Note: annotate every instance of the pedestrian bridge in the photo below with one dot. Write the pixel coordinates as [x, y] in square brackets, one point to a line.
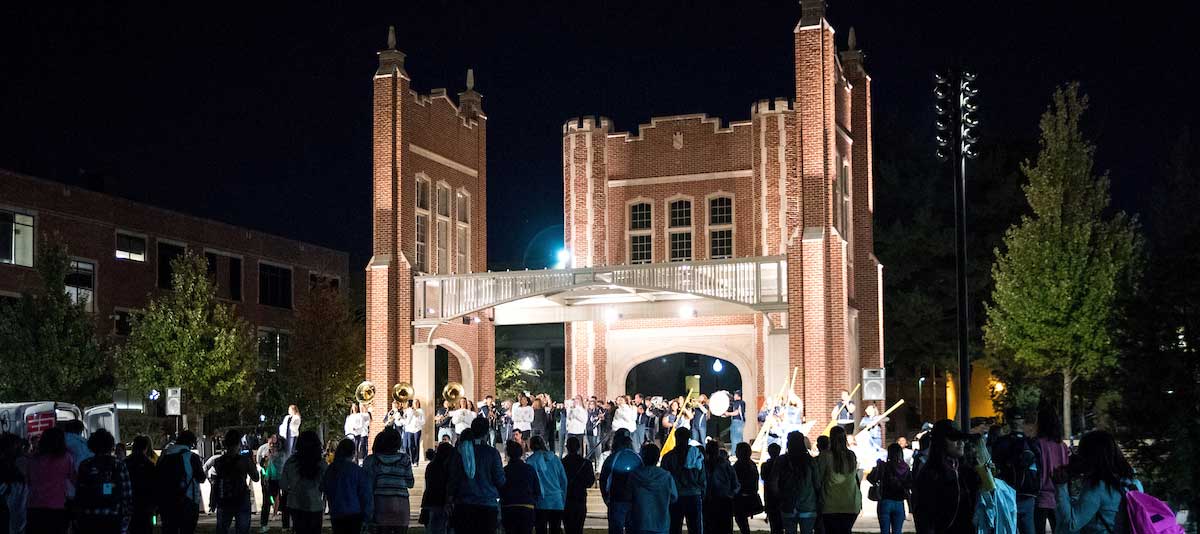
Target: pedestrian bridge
[611, 292]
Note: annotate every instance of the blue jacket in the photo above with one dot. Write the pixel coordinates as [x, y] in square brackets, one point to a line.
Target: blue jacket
[347, 489]
[551, 477]
[653, 492]
[1096, 506]
[484, 488]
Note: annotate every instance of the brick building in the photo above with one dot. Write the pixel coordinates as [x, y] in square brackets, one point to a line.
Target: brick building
[749, 241]
[121, 251]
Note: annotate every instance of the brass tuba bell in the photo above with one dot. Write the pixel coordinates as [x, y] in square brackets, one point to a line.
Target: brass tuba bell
[364, 392]
[402, 392]
[452, 392]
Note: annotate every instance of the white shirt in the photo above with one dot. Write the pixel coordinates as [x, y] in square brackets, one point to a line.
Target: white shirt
[461, 419]
[415, 421]
[364, 424]
[577, 420]
[351, 426]
[683, 421]
[626, 417]
[522, 417]
[290, 427]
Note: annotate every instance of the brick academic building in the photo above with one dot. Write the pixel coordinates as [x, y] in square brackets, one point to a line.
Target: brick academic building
[121, 254]
[749, 241]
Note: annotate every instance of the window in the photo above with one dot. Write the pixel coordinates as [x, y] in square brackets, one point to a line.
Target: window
[463, 248]
[274, 285]
[272, 348]
[639, 216]
[122, 325]
[422, 251]
[16, 238]
[422, 194]
[81, 284]
[720, 227]
[226, 275]
[443, 246]
[131, 247]
[443, 200]
[640, 248]
[681, 246]
[842, 202]
[320, 280]
[464, 207]
[166, 253]
[235, 278]
[681, 213]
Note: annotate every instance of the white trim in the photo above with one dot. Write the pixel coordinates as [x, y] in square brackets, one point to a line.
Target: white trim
[709, 227]
[783, 234]
[169, 242]
[645, 231]
[10, 294]
[276, 264]
[654, 122]
[438, 158]
[220, 252]
[697, 177]
[145, 245]
[690, 229]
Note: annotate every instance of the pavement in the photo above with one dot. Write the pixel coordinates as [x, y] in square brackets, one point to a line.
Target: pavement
[868, 520]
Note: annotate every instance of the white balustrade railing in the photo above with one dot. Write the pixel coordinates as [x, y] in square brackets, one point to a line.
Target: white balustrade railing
[757, 282]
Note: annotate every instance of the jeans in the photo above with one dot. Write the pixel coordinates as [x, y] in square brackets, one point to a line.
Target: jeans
[239, 515]
[1042, 517]
[548, 519]
[838, 523]
[48, 520]
[307, 522]
[573, 516]
[347, 524]
[798, 525]
[891, 516]
[516, 520]
[688, 507]
[775, 521]
[439, 522]
[474, 519]
[639, 437]
[620, 517]
[718, 515]
[180, 519]
[737, 428]
[1025, 506]
[412, 445]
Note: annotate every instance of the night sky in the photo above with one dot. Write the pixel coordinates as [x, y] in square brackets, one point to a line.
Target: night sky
[259, 115]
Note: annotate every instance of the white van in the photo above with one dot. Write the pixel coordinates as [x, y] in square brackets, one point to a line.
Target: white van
[29, 419]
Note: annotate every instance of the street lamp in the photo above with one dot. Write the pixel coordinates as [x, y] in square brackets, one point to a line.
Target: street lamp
[954, 92]
[527, 364]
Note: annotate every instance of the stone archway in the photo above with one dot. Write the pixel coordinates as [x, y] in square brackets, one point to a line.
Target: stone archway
[464, 362]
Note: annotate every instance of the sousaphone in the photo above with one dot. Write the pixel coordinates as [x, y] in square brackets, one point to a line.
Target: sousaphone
[402, 392]
[452, 392]
[365, 392]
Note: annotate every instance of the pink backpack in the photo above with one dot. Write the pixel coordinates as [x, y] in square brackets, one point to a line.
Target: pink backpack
[1149, 515]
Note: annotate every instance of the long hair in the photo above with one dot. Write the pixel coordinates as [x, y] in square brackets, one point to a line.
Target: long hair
[52, 443]
[1048, 425]
[1100, 460]
[843, 458]
[797, 454]
[308, 454]
[386, 442]
[895, 454]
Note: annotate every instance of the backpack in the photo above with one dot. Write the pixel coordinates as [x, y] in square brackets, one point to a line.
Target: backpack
[1018, 465]
[1149, 515]
[229, 488]
[97, 484]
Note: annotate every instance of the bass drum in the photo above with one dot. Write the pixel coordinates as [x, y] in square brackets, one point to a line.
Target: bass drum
[718, 403]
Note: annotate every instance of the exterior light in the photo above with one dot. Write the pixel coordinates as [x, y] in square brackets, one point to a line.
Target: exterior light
[562, 258]
[527, 364]
[686, 312]
[717, 366]
[154, 394]
[611, 315]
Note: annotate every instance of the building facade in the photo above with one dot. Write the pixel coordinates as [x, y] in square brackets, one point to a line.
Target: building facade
[121, 254]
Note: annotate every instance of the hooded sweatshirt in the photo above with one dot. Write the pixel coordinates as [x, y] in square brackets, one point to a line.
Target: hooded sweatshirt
[653, 492]
[551, 478]
[389, 474]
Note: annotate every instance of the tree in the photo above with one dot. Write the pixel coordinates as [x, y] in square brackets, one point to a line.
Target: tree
[325, 358]
[511, 380]
[1064, 267]
[187, 338]
[48, 342]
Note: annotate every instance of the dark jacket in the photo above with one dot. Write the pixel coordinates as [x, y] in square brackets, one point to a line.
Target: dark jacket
[770, 495]
[580, 477]
[944, 498]
[483, 488]
[141, 477]
[894, 481]
[347, 489]
[688, 480]
[721, 481]
[795, 485]
[747, 475]
[521, 487]
[618, 489]
[437, 475]
[172, 488]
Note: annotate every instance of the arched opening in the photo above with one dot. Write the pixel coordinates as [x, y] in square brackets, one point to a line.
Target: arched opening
[667, 376]
[451, 364]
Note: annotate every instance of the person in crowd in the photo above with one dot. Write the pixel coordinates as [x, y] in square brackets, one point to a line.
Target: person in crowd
[506, 421]
[685, 463]
[552, 479]
[396, 416]
[462, 417]
[433, 500]
[520, 492]
[289, 428]
[1016, 458]
[615, 488]
[51, 474]
[230, 494]
[1103, 475]
[475, 478]
[875, 433]
[270, 458]
[577, 418]
[76, 443]
[560, 418]
[352, 427]
[1053, 454]
[301, 479]
[906, 450]
[721, 486]
[747, 502]
[103, 500]
[841, 497]
[700, 417]
[580, 477]
[443, 422]
[14, 487]
[737, 419]
[179, 473]
[538, 429]
[413, 423]
[771, 493]
[654, 493]
[844, 412]
[347, 490]
[522, 416]
[795, 484]
[946, 488]
[625, 416]
[389, 476]
[487, 410]
[894, 479]
[551, 422]
[594, 431]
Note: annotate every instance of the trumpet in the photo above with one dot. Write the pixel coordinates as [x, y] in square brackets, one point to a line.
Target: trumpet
[402, 392]
[365, 392]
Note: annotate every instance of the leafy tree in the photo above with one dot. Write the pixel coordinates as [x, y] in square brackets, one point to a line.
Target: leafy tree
[325, 358]
[187, 338]
[511, 380]
[1064, 267]
[48, 343]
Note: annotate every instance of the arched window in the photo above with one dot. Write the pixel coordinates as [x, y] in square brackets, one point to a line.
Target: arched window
[720, 227]
[679, 230]
[641, 238]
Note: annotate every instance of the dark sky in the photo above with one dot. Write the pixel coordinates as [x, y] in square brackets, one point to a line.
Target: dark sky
[259, 115]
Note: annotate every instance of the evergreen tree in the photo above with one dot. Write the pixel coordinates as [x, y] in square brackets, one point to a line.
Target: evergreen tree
[48, 342]
[1063, 268]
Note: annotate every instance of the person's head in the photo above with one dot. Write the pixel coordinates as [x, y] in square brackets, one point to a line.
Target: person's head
[536, 443]
[53, 443]
[872, 411]
[415, 403]
[650, 454]
[796, 441]
[637, 398]
[621, 401]
[773, 450]
[273, 439]
[674, 405]
[463, 404]
[1016, 422]
[344, 450]
[1048, 425]
[513, 450]
[479, 426]
[141, 446]
[573, 445]
[712, 451]
[895, 454]
[523, 400]
[354, 407]
[537, 403]
[622, 440]
[1098, 459]
[839, 448]
[742, 451]
[592, 404]
[188, 439]
[101, 442]
[702, 399]
[823, 443]
[308, 454]
[294, 410]
[443, 453]
[74, 426]
[737, 395]
[232, 441]
[488, 400]
[682, 435]
[946, 439]
[395, 405]
[579, 401]
[902, 442]
[845, 395]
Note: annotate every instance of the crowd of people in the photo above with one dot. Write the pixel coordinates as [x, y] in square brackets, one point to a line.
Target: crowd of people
[498, 466]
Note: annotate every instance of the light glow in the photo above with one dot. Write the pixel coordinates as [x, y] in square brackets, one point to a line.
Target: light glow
[562, 258]
[717, 366]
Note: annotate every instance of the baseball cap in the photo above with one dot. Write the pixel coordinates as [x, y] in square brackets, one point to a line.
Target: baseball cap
[946, 429]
